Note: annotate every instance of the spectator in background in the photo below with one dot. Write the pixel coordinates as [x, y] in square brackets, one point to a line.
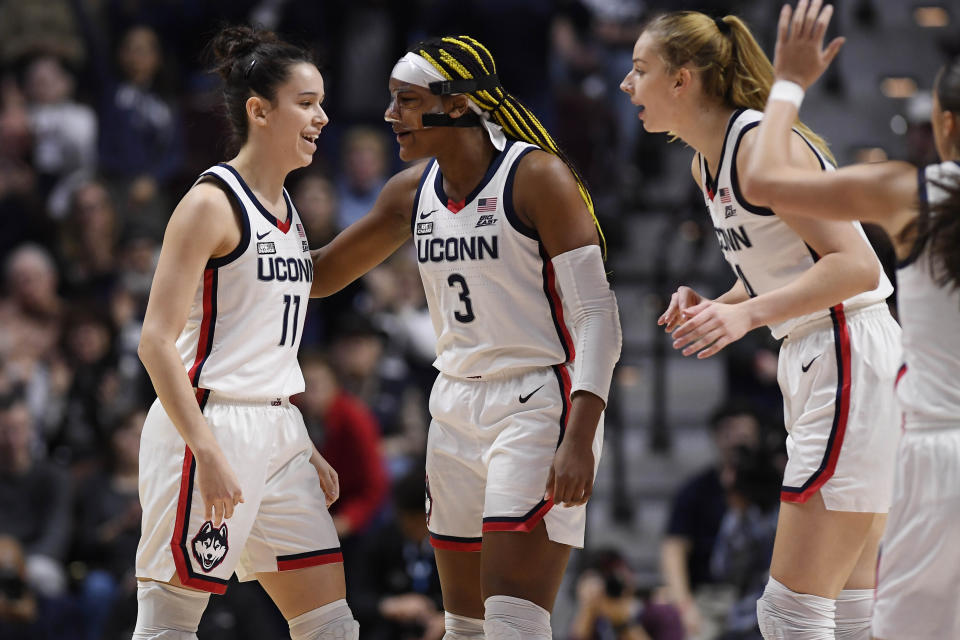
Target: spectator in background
[88, 243]
[610, 607]
[64, 132]
[695, 516]
[34, 501]
[366, 167]
[108, 526]
[142, 149]
[346, 434]
[315, 197]
[20, 616]
[94, 400]
[399, 597]
[381, 378]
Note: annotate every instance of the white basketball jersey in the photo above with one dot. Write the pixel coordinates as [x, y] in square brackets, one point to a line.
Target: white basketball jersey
[244, 329]
[489, 283]
[764, 252]
[929, 382]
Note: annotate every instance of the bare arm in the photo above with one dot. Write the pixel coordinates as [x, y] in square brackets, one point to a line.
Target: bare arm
[884, 193]
[202, 226]
[547, 197]
[369, 241]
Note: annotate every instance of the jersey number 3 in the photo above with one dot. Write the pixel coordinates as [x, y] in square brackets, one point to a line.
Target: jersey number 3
[457, 280]
[286, 319]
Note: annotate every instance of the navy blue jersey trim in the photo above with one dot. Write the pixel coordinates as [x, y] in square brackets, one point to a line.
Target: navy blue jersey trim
[491, 171]
[735, 181]
[523, 518]
[841, 376]
[309, 554]
[416, 198]
[214, 263]
[437, 536]
[186, 531]
[263, 211]
[545, 257]
[207, 348]
[923, 212]
[508, 208]
[564, 403]
[710, 184]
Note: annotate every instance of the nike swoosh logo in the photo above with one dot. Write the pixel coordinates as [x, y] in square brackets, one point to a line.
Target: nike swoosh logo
[807, 366]
[424, 216]
[523, 399]
[261, 236]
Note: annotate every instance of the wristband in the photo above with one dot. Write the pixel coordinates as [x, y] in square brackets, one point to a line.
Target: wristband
[787, 91]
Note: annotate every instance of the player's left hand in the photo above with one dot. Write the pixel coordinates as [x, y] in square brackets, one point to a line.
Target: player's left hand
[710, 328]
[570, 481]
[329, 480]
[800, 55]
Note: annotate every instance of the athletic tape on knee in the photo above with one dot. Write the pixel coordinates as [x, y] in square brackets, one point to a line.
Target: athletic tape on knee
[462, 627]
[783, 614]
[508, 618]
[854, 610]
[167, 612]
[333, 621]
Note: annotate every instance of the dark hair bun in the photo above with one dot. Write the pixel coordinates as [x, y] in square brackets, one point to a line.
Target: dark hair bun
[234, 43]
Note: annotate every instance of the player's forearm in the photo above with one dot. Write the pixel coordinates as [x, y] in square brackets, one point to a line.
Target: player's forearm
[833, 279]
[585, 411]
[737, 293]
[163, 364]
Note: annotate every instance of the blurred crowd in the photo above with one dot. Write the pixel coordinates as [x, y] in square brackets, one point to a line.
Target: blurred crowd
[107, 115]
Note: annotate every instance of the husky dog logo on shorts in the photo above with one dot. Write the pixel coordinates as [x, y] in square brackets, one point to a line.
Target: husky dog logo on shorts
[210, 545]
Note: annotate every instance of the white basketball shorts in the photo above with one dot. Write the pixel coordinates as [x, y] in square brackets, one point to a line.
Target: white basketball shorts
[489, 451]
[282, 524]
[837, 376]
[918, 576]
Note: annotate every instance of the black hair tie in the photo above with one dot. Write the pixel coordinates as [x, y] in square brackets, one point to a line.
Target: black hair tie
[722, 26]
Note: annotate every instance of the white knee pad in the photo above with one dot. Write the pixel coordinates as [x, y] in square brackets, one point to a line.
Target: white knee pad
[462, 627]
[509, 618]
[332, 621]
[786, 615]
[854, 610]
[165, 612]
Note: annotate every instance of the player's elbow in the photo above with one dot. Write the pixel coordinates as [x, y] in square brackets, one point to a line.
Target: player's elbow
[150, 344]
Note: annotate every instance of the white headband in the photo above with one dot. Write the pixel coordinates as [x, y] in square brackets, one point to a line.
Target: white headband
[416, 70]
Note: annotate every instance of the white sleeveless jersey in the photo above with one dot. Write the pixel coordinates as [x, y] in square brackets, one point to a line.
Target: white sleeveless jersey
[764, 252]
[489, 283]
[929, 381]
[244, 328]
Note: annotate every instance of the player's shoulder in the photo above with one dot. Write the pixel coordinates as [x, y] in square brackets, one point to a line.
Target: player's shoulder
[205, 205]
[538, 169]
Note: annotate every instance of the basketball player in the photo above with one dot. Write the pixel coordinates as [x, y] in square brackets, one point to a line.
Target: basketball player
[527, 332]
[818, 285]
[229, 479]
[918, 590]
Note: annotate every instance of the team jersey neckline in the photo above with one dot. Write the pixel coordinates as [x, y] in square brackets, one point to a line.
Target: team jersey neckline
[491, 171]
[710, 181]
[283, 226]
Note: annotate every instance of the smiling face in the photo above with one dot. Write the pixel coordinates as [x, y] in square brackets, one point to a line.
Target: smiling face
[651, 86]
[407, 105]
[295, 118]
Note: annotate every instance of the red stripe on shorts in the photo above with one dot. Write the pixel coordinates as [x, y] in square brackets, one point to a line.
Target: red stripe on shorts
[309, 559]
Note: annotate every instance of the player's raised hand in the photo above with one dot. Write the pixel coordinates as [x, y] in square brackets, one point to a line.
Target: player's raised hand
[800, 55]
[218, 486]
[682, 299]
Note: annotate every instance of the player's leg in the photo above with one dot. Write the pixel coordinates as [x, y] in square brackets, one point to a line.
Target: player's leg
[814, 554]
[313, 601]
[522, 573]
[855, 601]
[460, 580]
[168, 610]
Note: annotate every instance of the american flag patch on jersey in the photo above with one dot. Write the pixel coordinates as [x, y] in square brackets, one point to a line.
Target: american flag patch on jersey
[487, 204]
[725, 195]
[300, 230]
